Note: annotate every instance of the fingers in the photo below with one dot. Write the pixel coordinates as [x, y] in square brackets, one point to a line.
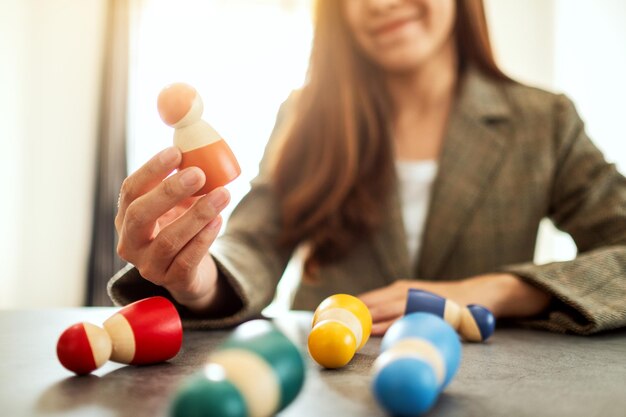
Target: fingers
[379, 329]
[176, 212]
[143, 213]
[386, 305]
[190, 257]
[145, 178]
[371, 298]
[389, 293]
[173, 239]
[388, 310]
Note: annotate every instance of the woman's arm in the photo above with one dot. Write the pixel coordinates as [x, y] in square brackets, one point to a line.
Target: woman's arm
[588, 201]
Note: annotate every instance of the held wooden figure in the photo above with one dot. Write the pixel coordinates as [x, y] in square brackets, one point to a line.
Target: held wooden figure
[181, 107]
[341, 326]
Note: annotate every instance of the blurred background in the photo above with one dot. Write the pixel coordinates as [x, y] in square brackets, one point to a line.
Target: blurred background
[78, 87]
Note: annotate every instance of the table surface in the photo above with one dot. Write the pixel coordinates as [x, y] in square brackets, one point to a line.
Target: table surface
[517, 373]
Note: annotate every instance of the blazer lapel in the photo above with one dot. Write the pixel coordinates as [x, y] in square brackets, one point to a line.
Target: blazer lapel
[390, 241]
[472, 151]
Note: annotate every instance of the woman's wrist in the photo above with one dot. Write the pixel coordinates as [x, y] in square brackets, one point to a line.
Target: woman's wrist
[515, 298]
[200, 294]
[195, 302]
[213, 296]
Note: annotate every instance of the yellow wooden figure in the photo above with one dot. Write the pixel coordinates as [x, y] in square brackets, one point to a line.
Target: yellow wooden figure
[341, 326]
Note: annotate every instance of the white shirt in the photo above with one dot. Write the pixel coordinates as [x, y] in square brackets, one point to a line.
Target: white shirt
[416, 179]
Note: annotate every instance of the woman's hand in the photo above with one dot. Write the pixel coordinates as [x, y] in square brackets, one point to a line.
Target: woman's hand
[166, 233]
[504, 294]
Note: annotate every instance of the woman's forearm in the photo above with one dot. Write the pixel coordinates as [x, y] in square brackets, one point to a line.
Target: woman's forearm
[515, 298]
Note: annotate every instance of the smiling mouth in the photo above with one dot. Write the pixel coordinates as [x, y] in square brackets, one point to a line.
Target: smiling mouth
[393, 26]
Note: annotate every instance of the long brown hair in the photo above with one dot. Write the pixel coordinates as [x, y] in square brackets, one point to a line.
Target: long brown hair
[334, 168]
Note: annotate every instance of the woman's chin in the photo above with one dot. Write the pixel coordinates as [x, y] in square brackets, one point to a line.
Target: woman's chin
[401, 64]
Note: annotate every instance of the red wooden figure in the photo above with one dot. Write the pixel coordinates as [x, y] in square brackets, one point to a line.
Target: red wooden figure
[144, 332]
[83, 348]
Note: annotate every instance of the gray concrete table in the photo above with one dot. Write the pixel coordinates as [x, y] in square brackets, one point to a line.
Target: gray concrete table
[518, 373]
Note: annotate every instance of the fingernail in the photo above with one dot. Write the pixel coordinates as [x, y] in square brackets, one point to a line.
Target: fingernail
[218, 198]
[189, 178]
[168, 156]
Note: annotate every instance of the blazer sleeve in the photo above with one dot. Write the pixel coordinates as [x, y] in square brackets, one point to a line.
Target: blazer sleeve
[588, 201]
[247, 255]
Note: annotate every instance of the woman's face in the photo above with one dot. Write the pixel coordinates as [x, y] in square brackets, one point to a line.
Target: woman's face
[400, 35]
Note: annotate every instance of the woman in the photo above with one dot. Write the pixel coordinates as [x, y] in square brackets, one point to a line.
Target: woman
[408, 160]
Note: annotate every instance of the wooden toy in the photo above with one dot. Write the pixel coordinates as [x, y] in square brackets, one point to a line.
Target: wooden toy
[83, 348]
[474, 323]
[421, 354]
[145, 332]
[341, 326]
[477, 323]
[257, 372]
[209, 394]
[181, 107]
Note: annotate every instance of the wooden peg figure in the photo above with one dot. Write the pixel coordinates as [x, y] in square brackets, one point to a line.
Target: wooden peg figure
[257, 372]
[144, 332]
[474, 323]
[181, 107]
[83, 348]
[420, 355]
[341, 326]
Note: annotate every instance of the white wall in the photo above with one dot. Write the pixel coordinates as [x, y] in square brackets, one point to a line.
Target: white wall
[522, 34]
[54, 48]
[11, 56]
[591, 67]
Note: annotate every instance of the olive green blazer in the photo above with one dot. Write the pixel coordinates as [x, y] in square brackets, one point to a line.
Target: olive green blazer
[512, 155]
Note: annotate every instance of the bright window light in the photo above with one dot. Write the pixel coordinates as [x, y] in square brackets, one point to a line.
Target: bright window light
[244, 57]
